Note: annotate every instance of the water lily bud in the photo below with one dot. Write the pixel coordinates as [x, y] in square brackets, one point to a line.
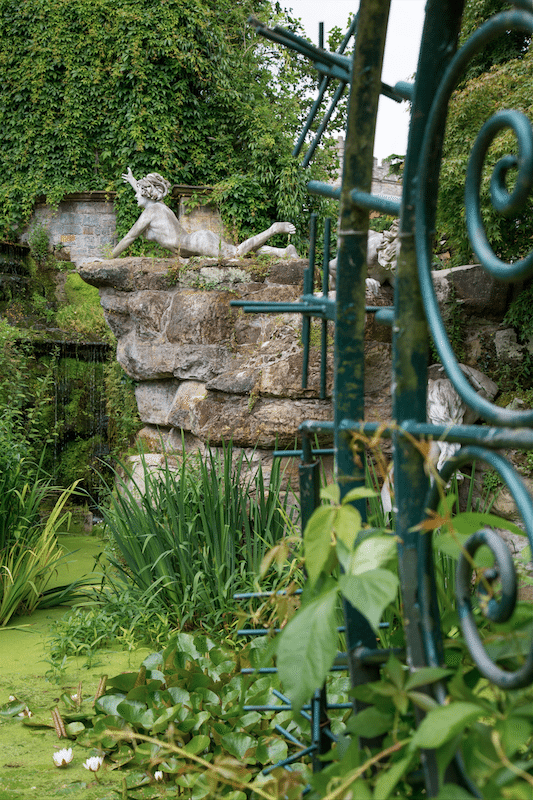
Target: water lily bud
[94, 763]
[63, 757]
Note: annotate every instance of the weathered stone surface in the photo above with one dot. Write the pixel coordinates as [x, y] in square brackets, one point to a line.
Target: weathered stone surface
[155, 399]
[129, 274]
[116, 311]
[199, 318]
[147, 311]
[507, 348]
[202, 362]
[146, 360]
[474, 288]
[179, 413]
[211, 372]
[237, 381]
[221, 417]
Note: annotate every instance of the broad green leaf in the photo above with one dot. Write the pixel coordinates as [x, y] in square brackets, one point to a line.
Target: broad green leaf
[370, 592]
[388, 779]
[178, 694]
[307, 648]
[74, 728]
[108, 703]
[426, 675]
[132, 710]
[197, 744]
[395, 671]
[163, 720]
[276, 749]
[359, 493]
[370, 722]
[331, 492]
[452, 545]
[373, 553]
[317, 541]
[347, 525]
[422, 700]
[444, 722]
[514, 733]
[471, 521]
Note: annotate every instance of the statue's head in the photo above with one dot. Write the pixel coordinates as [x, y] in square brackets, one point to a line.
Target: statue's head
[153, 186]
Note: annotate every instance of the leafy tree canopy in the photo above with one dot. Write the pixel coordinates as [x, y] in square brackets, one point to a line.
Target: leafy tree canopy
[182, 87]
[500, 78]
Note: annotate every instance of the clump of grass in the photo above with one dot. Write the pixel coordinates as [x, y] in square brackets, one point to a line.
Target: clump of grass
[195, 534]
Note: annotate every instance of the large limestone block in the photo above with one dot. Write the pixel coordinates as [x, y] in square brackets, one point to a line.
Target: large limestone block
[129, 274]
[147, 310]
[156, 359]
[179, 415]
[221, 417]
[116, 311]
[474, 288]
[155, 400]
[199, 318]
[201, 362]
[146, 360]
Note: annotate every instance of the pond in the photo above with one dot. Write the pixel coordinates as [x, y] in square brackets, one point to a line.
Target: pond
[26, 763]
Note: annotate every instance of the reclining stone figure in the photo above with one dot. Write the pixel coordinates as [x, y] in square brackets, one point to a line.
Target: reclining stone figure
[158, 223]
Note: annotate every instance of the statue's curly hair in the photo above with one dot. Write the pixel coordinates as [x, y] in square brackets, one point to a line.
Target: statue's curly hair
[154, 186]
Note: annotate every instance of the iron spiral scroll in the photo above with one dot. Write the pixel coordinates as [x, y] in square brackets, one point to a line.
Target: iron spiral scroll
[504, 202]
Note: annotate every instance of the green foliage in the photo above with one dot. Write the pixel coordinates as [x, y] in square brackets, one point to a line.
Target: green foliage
[29, 550]
[184, 87]
[179, 720]
[39, 242]
[194, 533]
[513, 44]
[505, 84]
[115, 615]
[83, 314]
[520, 315]
[26, 397]
[332, 538]
[488, 726]
[121, 408]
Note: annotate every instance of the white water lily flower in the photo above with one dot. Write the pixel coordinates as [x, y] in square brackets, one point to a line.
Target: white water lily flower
[158, 775]
[63, 757]
[94, 763]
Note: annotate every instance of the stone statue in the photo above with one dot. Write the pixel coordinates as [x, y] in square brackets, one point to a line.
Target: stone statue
[381, 259]
[387, 250]
[158, 223]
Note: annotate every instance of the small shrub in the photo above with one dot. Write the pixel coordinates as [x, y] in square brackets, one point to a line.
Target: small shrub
[39, 242]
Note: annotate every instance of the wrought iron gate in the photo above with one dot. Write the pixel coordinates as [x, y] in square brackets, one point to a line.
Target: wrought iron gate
[415, 314]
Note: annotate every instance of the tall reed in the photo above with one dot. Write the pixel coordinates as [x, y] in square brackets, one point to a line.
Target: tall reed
[195, 533]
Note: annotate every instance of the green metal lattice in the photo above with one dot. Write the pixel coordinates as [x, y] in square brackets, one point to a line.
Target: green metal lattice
[415, 316]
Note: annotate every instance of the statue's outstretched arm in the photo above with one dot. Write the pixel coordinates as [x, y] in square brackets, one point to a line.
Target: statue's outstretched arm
[127, 177]
[134, 232]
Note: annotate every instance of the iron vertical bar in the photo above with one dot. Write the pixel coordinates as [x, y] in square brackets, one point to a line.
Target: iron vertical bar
[307, 290]
[324, 332]
[309, 482]
[351, 268]
[410, 355]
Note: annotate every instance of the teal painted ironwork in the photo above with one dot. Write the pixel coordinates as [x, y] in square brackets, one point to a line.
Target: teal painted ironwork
[413, 319]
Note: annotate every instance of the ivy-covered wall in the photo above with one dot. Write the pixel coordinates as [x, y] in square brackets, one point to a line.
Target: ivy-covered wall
[182, 87]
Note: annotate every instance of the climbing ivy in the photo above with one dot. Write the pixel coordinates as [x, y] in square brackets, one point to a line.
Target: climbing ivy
[498, 78]
[184, 87]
